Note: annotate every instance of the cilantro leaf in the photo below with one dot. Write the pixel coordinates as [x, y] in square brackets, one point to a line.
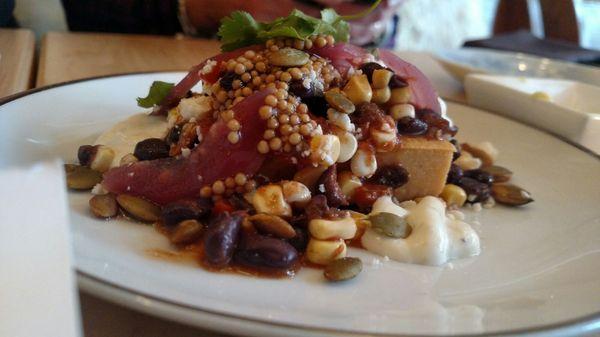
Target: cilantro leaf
[240, 29]
[157, 93]
[341, 28]
[237, 29]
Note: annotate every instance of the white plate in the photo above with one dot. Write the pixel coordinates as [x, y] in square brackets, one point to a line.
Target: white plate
[538, 271]
[460, 62]
[572, 109]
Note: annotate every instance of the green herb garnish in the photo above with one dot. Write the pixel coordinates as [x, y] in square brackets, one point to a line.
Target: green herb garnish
[157, 93]
[240, 29]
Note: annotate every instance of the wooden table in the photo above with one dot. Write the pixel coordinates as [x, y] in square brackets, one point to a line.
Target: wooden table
[71, 56]
[17, 49]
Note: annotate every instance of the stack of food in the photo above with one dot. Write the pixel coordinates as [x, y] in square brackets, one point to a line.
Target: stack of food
[298, 145]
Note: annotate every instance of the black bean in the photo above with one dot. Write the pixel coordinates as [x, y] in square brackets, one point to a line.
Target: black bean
[300, 241]
[390, 175]
[227, 79]
[332, 190]
[476, 191]
[263, 251]
[173, 135]
[311, 96]
[85, 154]
[411, 126]
[317, 105]
[221, 238]
[397, 82]
[456, 153]
[369, 68]
[185, 209]
[454, 174]
[480, 175]
[151, 148]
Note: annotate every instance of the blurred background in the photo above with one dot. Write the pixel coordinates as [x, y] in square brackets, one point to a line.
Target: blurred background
[416, 24]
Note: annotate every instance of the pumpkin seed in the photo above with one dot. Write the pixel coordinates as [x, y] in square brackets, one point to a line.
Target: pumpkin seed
[81, 177]
[343, 269]
[288, 57]
[139, 208]
[390, 225]
[187, 231]
[274, 225]
[509, 194]
[339, 102]
[500, 174]
[104, 206]
[70, 167]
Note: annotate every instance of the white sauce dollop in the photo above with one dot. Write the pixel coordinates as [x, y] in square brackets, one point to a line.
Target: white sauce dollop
[435, 238]
[123, 136]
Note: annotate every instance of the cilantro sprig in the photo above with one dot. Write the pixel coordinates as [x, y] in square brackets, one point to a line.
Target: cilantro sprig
[157, 93]
[240, 29]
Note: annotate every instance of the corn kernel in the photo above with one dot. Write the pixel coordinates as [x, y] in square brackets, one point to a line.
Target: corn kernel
[402, 110]
[323, 252]
[358, 89]
[467, 162]
[453, 195]
[381, 78]
[322, 229]
[325, 149]
[364, 162]
[400, 95]
[381, 96]
[295, 192]
[269, 199]
[348, 145]
[348, 183]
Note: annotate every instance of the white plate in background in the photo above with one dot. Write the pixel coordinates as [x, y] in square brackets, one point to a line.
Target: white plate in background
[566, 108]
[538, 271]
[463, 61]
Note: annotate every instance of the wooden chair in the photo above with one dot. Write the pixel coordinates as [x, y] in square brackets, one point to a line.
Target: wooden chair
[558, 16]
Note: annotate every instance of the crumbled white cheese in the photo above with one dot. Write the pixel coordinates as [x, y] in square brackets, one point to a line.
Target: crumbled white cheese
[321, 188]
[185, 152]
[208, 67]
[476, 207]
[99, 190]
[195, 107]
[489, 203]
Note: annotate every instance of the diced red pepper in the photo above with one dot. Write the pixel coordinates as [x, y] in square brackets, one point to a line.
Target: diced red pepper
[366, 195]
[221, 206]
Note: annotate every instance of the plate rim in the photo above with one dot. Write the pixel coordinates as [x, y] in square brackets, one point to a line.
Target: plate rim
[573, 327]
[521, 55]
[126, 296]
